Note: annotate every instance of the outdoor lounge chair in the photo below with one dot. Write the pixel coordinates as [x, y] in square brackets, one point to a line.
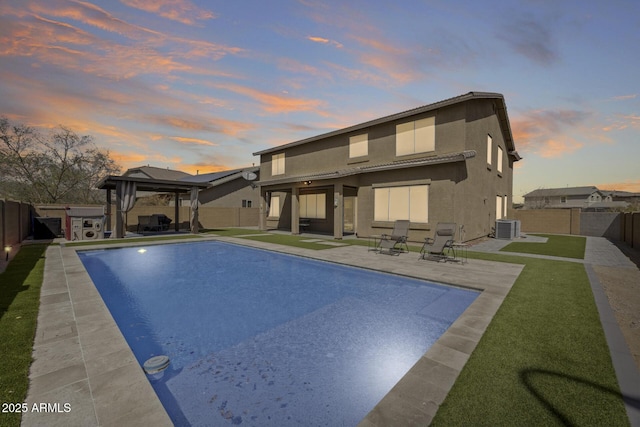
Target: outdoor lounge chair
[443, 239]
[392, 243]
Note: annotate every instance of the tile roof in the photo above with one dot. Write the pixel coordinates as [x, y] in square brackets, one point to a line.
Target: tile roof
[399, 164]
[566, 191]
[155, 173]
[215, 176]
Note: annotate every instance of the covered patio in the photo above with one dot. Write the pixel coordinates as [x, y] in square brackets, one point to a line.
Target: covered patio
[126, 188]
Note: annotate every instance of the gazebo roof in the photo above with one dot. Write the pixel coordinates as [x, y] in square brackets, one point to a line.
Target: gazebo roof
[147, 184]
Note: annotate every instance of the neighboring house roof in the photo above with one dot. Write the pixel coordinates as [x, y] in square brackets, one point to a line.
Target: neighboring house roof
[153, 172]
[501, 111]
[621, 194]
[399, 164]
[567, 191]
[217, 178]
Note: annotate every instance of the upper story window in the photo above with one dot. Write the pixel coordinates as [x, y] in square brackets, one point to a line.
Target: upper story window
[359, 145]
[489, 149]
[277, 164]
[499, 165]
[416, 137]
[563, 199]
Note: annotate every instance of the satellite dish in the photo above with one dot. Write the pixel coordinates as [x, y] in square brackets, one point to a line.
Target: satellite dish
[249, 176]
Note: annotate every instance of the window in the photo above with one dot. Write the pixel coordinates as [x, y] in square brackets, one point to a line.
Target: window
[274, 207]
[489, 148]
[499, 166]
[405, 202]
[248, 203]
[563, 199]
[313, 205]
[244, 203]
[416, 137]
[277, 164]
[498, 207]
[504, 206]
[359, 146]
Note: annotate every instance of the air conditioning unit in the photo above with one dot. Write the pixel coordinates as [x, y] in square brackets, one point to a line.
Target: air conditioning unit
[507, 229]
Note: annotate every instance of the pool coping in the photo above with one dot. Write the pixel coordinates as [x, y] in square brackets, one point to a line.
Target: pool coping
[81, 357]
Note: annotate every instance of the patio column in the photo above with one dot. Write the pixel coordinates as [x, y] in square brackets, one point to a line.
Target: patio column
[194, 210]
[107, 226]
[295, 210]
[119, 222]
[338, 210]
[176, 212]
[262, 210]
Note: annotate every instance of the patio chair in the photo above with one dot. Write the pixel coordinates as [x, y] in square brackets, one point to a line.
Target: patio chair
[392, 244]
[434, 248]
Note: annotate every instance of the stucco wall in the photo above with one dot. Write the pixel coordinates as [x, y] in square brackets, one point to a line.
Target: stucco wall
[208, 217]
[15, 222]
[602, 224]
[230, 194]
[555, 221]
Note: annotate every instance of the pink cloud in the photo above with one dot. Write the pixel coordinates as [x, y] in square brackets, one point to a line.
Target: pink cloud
[39, 33]
[323, 40]
[183, 11]
[551, 133]
[631, 186]
[273, 103]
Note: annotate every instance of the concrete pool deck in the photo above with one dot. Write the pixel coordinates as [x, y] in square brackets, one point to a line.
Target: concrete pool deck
[81, 358]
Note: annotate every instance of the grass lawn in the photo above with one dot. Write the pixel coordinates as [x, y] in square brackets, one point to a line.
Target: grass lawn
[543, 360]
[19, 302]
[562, 246]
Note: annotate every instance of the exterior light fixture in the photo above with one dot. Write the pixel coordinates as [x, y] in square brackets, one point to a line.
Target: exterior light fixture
[7, 249]
[307, 182]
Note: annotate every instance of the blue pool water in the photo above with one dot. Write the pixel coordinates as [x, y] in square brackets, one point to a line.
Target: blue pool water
[261, 338]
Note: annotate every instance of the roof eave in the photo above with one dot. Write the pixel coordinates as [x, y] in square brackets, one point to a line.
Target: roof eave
[427, 161]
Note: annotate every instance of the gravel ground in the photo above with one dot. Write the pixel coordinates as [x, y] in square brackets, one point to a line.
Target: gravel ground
[622, 287]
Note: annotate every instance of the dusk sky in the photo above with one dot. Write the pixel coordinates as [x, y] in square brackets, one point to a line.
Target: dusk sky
[201, 85]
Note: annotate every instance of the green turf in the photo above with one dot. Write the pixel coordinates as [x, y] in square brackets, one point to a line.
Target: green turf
[556, 245]
[543, 360]
[19, 302]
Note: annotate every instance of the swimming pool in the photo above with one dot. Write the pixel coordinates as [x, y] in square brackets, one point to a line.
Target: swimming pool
[261, 338]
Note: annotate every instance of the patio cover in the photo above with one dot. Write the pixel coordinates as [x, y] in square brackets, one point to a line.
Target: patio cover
[127, 186]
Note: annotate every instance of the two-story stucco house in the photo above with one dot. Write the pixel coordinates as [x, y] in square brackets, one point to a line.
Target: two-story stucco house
[451, 161]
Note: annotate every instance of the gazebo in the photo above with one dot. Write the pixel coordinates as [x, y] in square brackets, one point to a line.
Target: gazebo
[126, 188]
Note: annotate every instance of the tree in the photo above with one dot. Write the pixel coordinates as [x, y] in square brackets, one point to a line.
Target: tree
[62, 167]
